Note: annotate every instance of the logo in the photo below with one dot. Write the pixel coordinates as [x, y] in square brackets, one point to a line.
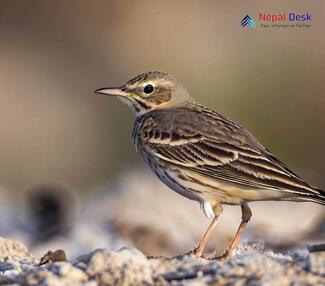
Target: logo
[247, 21]
[278, 20]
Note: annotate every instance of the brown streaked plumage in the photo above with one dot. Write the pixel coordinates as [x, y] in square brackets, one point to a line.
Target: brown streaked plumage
[203, 155]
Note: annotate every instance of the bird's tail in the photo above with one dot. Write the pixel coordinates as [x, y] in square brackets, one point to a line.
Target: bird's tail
[318, 196]
[314, 195]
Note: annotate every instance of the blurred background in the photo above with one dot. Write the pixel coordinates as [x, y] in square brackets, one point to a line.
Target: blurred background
[69, 174]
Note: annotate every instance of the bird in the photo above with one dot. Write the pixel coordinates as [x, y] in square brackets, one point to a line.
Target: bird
[203, 155]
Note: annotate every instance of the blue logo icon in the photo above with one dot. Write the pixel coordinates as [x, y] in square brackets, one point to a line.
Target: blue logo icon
[247, 21]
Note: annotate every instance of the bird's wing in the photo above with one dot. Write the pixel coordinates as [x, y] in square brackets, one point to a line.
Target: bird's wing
[214, 146]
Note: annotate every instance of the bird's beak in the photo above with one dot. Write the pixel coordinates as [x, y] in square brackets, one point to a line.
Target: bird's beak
[113, 91]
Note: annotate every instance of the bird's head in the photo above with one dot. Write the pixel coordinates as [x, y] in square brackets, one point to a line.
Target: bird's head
[149, 91]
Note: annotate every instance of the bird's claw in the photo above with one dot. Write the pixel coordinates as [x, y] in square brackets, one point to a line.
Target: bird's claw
[221, 258]
[199, 254]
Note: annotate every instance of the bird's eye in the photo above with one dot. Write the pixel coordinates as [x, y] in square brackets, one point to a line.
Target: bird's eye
[148, 89]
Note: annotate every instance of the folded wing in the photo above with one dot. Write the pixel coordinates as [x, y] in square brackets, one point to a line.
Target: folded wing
[216, 147]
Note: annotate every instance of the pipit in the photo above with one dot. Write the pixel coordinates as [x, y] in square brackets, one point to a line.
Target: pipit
[204, 155]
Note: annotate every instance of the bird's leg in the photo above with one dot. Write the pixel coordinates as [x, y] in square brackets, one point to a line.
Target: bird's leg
[200, 248]
[246, 215]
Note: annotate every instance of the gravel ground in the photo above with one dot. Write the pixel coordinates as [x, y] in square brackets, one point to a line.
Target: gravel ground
[250, 265]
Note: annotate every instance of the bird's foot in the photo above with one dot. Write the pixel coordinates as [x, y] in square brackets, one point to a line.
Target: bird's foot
[194, 252]
[189, 253]
[197, 252]
[221, 258]
[156, 257]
